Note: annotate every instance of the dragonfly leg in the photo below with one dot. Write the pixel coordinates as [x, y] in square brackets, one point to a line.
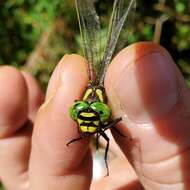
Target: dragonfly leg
[97, 141]
[103, 134]
[74, 140]
[118, 132]
[112, 125]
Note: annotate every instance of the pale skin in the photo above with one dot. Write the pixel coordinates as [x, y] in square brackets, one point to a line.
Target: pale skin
[143, 86]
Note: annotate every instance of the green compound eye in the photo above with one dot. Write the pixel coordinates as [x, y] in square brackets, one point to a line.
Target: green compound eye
[78, 106]
[103, 110]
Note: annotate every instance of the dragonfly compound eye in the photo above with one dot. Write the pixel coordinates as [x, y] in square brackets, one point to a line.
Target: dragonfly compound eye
[102, 109]
[77, 107]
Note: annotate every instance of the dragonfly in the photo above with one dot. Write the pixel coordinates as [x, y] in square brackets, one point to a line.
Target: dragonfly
[92, 113]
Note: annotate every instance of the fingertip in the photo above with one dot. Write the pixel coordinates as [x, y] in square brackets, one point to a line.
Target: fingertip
[143, 79]
[129, 56]
[66, 85]
[62, 74]
[13, 100]
[36, 95]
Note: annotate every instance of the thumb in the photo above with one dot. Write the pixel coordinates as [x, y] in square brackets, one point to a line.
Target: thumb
[145, 87]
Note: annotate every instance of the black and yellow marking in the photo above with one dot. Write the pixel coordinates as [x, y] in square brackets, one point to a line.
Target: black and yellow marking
[87, 94]
[88, 122]
[99, 93]
[94, 93]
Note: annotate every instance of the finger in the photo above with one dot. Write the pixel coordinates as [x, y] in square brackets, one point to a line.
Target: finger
[36, 95]
[13, 101]
[54, 165]
[122, 176]
[145, 87]
[15, 139]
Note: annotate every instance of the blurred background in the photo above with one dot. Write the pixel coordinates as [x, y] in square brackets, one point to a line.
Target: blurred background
[35, 34]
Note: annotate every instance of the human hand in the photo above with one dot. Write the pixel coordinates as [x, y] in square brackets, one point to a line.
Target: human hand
[143, 86]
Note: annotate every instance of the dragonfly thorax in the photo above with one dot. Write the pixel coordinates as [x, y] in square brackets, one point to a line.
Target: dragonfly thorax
[94, 93]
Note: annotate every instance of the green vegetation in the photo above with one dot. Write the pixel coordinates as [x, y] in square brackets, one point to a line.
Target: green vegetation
[1, 188]
[36, 34]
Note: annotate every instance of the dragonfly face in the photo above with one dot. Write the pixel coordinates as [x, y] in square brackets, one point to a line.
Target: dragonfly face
[92, 112]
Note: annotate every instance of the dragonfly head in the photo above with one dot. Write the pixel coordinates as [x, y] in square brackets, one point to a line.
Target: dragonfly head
[93, 109]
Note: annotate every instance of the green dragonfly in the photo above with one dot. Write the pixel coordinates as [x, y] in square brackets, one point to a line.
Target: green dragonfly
[92, 113]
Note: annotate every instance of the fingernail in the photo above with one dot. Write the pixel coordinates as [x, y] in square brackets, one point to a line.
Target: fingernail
[148, 88]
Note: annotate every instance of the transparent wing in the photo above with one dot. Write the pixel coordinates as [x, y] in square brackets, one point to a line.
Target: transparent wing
[90, 31]
[121, 10]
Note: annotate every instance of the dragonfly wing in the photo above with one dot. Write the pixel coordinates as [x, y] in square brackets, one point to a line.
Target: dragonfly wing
[121, 10]
[90, 31]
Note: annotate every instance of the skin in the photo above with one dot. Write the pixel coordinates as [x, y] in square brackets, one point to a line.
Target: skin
[143, 86]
